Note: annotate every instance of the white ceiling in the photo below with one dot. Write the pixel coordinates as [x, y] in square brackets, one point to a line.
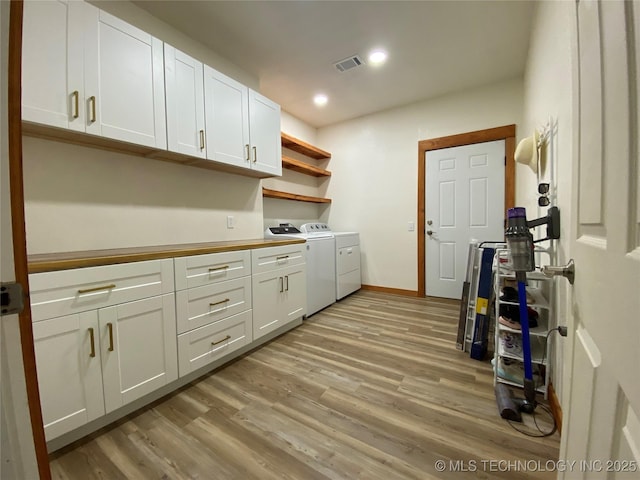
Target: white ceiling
[435, 47]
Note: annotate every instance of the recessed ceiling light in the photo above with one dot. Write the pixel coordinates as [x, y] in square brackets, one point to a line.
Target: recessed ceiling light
[377, 57]
[320, 99]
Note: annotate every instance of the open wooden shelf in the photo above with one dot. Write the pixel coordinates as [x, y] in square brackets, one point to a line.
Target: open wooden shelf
[293, 196]
[301, 167]
[303, 147]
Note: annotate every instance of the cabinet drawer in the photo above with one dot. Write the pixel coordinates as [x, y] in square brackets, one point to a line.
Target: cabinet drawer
[207, 344]
[273, 258]
[348, 259]
[201, 270]
[202, 305]
[54, 294]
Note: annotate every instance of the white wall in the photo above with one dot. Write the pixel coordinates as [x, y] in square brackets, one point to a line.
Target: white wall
[548, 93]
[375, 164]
[80, 198]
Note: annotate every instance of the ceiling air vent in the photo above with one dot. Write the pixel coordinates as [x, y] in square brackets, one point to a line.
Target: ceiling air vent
[349, 63]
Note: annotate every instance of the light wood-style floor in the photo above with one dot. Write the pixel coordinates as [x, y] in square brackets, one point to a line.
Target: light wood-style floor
[370, 388]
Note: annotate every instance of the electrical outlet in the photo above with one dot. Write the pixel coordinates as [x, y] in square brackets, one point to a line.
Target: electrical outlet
[231, 221]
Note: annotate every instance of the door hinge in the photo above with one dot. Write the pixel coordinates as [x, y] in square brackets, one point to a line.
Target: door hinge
[12, 298]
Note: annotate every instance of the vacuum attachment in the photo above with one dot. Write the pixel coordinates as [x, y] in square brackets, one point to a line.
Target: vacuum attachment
[506, 404]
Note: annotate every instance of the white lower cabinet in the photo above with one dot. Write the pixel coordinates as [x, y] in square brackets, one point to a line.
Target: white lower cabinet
[107, 336]
[202, 346]
[139, 352]
[213, 304]
[280, 290]
[103, 336]
[94, 362]
[69, 371]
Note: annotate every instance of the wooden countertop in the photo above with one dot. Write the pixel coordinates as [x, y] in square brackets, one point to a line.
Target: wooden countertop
[49, 262]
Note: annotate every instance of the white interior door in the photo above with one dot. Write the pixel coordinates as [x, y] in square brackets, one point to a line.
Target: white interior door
[17, 451]
[464, 200]
[603, 421]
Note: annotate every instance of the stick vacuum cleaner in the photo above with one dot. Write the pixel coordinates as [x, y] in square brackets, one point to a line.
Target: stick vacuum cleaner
[520, 245]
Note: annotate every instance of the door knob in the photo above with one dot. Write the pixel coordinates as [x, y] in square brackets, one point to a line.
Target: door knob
[429, 232]
[567, 271]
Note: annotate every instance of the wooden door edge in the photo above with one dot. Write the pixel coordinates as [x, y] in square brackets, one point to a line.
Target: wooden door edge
[14, 103]
[556, 408]
[506, 133]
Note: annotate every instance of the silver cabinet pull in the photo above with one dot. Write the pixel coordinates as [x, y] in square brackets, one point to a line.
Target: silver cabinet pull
[281, 284]
[248, 153]
[255, 154]
[287, 278]
[201, 139]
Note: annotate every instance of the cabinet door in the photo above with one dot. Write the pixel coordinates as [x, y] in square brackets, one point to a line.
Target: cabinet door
[294, 301]
[124, 71]
[267, 291]
[185, 103]
[69, 373]
[279, 297]
[264, 129]
[227, 119]
[139, 352]
[52, 63]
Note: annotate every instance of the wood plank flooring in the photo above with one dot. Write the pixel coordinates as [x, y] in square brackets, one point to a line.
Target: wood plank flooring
[370, 388]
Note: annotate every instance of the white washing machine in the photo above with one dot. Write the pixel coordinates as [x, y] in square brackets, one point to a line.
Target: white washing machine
[348, 271]
[321, 267]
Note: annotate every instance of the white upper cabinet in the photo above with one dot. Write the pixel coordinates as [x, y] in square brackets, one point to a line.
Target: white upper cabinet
[243, 127]
[86, 70]
[185, 103]
[128, 79]
[52, 63]
[264, 129]
[227, 117]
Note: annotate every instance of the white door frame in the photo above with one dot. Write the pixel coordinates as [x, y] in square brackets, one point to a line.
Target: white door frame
[506, 133]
